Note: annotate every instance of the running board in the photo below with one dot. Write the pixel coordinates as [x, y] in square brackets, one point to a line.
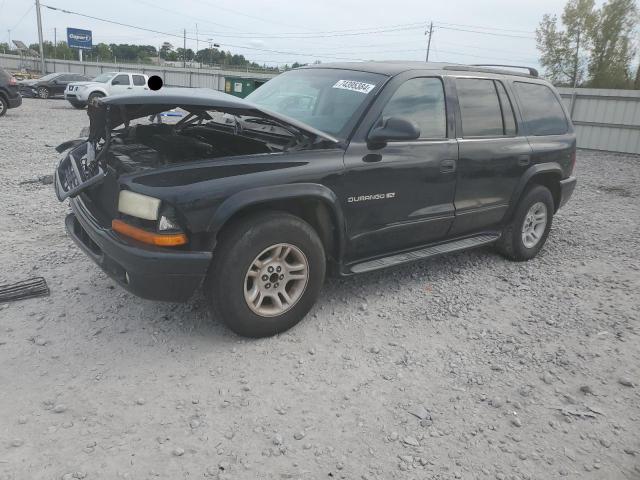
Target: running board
[449, 247]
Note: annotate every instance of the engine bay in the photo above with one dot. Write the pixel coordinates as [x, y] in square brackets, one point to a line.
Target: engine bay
[147, 146]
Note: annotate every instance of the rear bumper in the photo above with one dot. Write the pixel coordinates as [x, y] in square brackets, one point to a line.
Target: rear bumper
[15, 101]
[566, 190]
[145, 271]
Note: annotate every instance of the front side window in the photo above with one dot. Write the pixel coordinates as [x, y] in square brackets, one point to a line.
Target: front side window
[324, 98]
[541, 110]
[422, 101]
[120, 80]
[479, 107]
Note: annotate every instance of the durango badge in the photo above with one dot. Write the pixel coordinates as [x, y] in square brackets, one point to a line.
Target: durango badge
[377, 196]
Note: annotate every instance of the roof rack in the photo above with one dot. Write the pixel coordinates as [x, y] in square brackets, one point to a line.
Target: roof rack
[532, 71]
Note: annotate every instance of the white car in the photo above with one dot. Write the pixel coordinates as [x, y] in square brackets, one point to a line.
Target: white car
[111, 83]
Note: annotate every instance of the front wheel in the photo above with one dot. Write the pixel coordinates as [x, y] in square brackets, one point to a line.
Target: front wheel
[266, 275]
[525, 236]
[4, 106]
[78, 105]
[93, 98]
[44, 93]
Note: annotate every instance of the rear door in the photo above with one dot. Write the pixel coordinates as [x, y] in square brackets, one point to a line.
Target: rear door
[401, 196]
[494, 154]
[139, 83]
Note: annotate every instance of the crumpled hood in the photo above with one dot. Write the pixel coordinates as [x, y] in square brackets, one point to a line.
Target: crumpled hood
[121, 109]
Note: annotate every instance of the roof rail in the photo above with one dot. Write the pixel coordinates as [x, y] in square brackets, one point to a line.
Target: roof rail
[532, 71]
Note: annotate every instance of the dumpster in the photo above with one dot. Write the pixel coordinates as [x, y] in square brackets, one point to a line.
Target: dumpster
[241, 86]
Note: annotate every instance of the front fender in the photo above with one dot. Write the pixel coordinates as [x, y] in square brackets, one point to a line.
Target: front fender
[291, 192]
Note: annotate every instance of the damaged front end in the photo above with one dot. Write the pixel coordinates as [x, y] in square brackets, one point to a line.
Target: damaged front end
[215, 125]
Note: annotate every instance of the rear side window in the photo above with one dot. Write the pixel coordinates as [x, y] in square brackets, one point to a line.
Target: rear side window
[120, 80]
[541, 110]
[480, 108]
[420, 100]
[138, 80]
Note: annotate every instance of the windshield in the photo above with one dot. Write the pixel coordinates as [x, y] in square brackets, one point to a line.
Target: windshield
[104, 78]
[325, 99]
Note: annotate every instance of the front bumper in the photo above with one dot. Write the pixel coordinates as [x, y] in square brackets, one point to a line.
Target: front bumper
[566, 190]
[146, 271]
[72, 98]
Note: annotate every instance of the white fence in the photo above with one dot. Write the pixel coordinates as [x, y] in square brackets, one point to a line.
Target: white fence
[605, 119]
[171, 76]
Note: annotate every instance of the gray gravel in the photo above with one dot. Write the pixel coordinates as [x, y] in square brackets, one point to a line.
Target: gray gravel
[467, 366]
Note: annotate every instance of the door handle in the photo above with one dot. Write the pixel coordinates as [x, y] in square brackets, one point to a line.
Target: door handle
[524, 160]
[372, 157]
[448, 166]
[129, 88]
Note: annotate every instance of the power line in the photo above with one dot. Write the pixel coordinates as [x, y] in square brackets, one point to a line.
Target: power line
[337, 33]
[485, 33]
[191, 38]
[22, 17]
[484, 27]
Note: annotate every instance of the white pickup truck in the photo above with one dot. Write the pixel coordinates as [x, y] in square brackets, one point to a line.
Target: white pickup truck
[111, 83]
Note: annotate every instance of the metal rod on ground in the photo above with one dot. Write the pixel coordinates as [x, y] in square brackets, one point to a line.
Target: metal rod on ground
[40, 42]
[429, 42]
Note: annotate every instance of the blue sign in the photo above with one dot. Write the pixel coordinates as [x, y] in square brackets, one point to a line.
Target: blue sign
[77, 38]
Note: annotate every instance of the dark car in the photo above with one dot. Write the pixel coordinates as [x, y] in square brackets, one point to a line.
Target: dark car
[387, 164]
[9, 92]
[50, 85]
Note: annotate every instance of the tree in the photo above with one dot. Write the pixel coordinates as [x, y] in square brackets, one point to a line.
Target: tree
[612, 50]
[564, 52]
[165, 50]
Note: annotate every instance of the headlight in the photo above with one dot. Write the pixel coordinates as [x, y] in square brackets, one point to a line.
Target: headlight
[138, 205]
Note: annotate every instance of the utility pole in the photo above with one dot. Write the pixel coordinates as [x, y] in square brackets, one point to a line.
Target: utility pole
[39, 18]
[197, 42]
[55, 42]
[184, 50]
[430, 33]
[575, 75]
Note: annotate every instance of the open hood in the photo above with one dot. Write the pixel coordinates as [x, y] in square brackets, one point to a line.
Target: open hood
[121, 109]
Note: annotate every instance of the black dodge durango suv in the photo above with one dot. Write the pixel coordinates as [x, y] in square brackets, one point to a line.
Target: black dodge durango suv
[335, 168]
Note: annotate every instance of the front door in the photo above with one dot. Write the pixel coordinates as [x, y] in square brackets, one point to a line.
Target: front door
[401, 195]
[121, 83]
[493, 155]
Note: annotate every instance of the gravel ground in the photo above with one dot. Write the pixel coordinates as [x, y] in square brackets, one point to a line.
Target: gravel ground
[465, 367]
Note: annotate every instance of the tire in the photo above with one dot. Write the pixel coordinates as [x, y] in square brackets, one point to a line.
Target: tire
[256, 238]
[4, 106]
[43, 93]
[520, 240]
[94, 96]
[77, 105]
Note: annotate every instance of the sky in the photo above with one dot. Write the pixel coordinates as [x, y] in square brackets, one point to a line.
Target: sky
[276, 32]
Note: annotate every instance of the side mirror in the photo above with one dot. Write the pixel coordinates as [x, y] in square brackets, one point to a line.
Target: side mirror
[54, 81]
[393, 129]
[115, 82]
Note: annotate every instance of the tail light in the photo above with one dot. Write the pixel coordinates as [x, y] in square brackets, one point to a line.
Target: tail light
[13, 81]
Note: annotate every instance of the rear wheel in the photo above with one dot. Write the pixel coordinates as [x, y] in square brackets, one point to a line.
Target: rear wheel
[266, 275]
[527, 233]
[43, 92]
[4, 106]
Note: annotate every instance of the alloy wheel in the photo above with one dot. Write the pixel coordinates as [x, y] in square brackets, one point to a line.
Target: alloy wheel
[535, 223]
[276, 280]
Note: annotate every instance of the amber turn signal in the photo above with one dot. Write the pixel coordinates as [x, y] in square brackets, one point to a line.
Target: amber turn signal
[157, 239]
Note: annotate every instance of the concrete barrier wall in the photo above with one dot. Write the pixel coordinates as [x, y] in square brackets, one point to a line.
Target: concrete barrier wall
[171, 76]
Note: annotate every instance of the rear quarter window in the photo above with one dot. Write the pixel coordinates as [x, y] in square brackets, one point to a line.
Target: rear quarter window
[541, 110]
